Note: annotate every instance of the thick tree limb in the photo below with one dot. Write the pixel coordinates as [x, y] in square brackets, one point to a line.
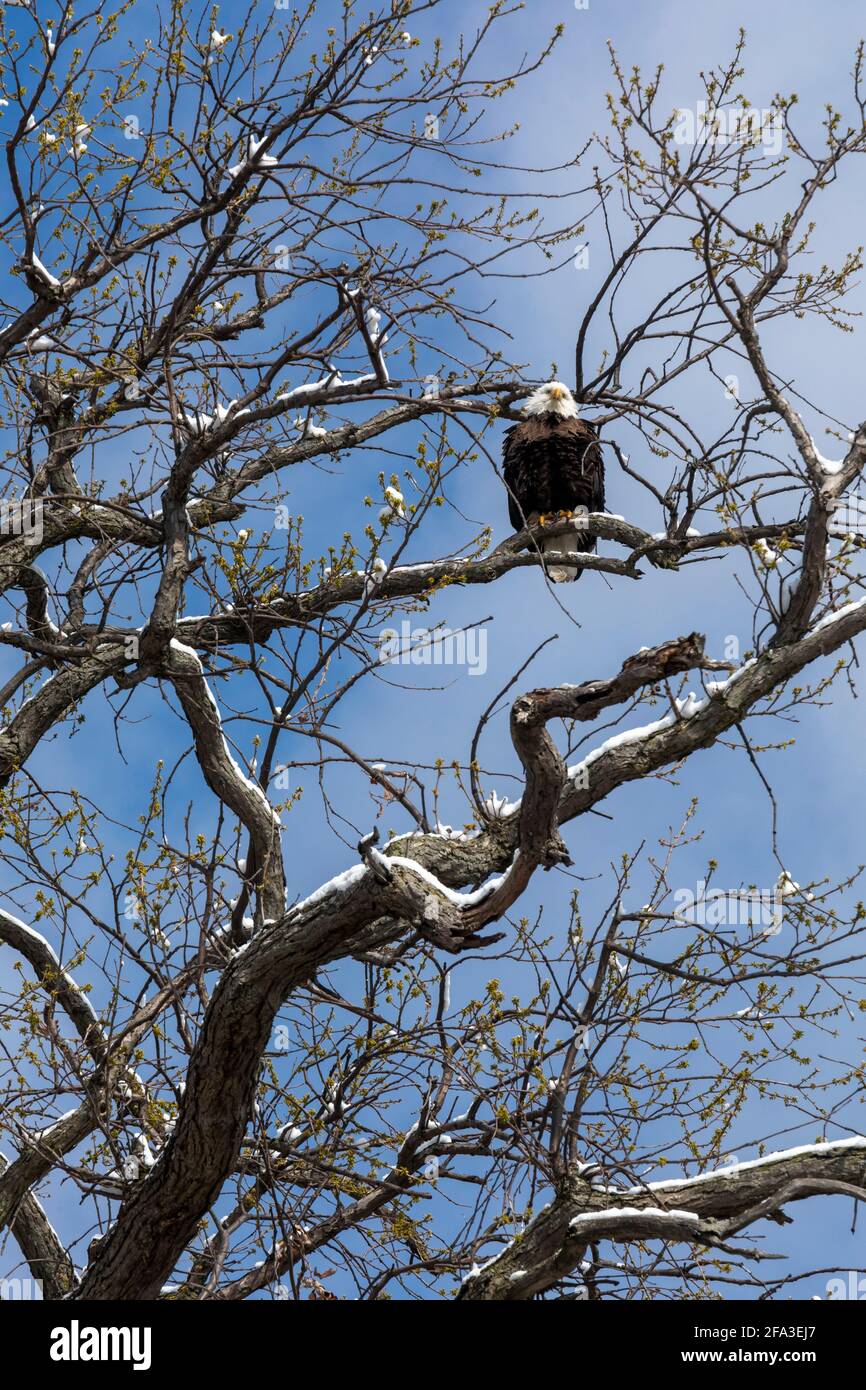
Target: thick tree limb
[159, 1220]
[704, 1211]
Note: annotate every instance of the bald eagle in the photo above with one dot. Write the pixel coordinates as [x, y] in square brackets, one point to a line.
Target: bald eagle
[552, 463]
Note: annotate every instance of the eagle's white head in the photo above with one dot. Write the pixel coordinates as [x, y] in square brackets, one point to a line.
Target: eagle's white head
[554, 398]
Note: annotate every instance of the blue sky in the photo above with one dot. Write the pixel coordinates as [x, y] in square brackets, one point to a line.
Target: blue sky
[799, 47]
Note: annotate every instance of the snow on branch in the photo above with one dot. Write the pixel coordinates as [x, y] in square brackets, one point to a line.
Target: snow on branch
[706, 1210]
[225, 777]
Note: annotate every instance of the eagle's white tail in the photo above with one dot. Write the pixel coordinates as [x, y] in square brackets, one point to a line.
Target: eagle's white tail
[557, 547]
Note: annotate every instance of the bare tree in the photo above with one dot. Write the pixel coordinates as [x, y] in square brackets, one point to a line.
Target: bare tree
[241, 256]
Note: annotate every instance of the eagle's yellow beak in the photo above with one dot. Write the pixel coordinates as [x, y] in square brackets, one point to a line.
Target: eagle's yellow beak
[557, 393]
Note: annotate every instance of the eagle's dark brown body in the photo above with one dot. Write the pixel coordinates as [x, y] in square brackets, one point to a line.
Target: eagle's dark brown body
[552, 464]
